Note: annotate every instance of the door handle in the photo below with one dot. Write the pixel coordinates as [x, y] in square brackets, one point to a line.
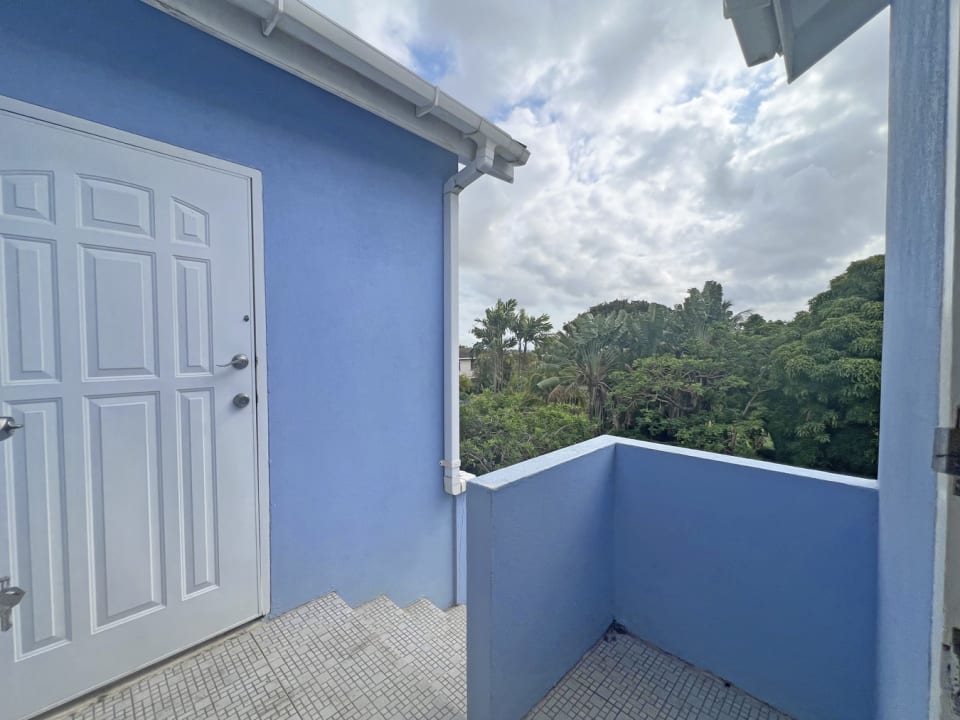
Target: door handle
[7, 426]
[237, 362]
[10, 597]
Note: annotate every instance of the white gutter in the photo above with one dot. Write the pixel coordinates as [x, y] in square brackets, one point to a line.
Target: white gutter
[300, 40]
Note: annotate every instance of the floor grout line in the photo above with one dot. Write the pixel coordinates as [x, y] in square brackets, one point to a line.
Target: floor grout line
[276, 676]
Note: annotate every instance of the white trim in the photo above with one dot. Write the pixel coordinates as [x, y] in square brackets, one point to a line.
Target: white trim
[253, 176]
[260, 379]
[767, 27]
[451, 346]
[949, 400]
[454, 480]
[309, 45]
[72, 122]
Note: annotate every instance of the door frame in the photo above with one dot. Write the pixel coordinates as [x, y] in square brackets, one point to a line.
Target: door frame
[254, 178]
[946, 579]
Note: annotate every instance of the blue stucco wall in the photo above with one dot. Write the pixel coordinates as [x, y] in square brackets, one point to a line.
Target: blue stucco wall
[353, 240]
[911, 347]
[760, 573]
[763, 574]
[540, 575]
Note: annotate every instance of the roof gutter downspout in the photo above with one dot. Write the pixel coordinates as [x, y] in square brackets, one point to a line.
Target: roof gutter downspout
[455, 481]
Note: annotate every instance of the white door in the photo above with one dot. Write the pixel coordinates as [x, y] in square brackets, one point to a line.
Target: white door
[129, 503]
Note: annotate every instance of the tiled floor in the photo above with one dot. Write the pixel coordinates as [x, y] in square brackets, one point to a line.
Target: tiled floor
[622, 678]
[323, 660]
[326, 660]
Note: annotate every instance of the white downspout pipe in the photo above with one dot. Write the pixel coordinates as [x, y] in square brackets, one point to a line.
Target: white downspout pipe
[454, 481]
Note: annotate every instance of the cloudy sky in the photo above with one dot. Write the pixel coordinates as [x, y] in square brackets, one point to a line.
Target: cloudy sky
[658, 159]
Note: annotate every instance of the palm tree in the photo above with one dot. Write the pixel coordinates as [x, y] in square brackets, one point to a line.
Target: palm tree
[492, 339]
[702, 313]
[644, 330]
[582, 356]
[530, 329]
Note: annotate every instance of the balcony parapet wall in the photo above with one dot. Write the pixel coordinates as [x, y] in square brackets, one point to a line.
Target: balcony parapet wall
[763, 574]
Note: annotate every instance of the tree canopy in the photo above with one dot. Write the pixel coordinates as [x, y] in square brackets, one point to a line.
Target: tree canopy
[698, 374]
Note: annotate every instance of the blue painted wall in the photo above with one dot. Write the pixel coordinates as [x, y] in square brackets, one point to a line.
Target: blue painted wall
[540, 575]
[760, 573]
[763, 574]
[353, 237]
[911, 346]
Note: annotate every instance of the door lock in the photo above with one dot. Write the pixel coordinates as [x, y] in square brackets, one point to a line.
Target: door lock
[241, 400]
[7, 426]
[237, 362]
[10, 597]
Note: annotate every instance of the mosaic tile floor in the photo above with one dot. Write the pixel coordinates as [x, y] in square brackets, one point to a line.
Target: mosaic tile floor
[321, 661]
[622, 678]
[326, 660]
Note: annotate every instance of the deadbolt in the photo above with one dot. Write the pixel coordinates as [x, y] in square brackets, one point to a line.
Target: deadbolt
[241, 400]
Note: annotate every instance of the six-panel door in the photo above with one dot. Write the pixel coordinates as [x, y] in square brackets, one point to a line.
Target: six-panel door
[128, 501]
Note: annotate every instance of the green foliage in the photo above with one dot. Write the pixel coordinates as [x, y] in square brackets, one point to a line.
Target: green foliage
[827, 409]
[500, 333]
[530, 329]
[698, 403]
[493, 341]
[804, 392]
[702, 313]
[502, 428]
[581, 358]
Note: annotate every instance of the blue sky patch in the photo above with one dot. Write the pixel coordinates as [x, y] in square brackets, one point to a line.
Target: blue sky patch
[745, 111]
[691, 90]
[432, 62]
[534, 103]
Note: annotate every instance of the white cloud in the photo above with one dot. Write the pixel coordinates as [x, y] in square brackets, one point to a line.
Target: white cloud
[658, 160]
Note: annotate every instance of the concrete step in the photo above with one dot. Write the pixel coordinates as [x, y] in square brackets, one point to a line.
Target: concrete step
[426, 612]
[427, 644]
[323, 633]
[381, 616]
[442, 646]
[457, 613]
[322, 660]
[423, 641]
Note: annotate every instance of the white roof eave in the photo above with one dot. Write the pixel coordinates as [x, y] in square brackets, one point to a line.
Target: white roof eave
[803, 31]
[301, 41]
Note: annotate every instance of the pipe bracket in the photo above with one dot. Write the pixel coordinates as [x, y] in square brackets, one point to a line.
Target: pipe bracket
[268, 25]
[427, 109]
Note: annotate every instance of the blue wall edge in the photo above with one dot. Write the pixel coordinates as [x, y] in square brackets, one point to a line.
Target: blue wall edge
[526, 630]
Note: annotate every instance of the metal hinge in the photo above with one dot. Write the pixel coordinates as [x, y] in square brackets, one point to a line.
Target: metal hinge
[951, 671]
[946, 451]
